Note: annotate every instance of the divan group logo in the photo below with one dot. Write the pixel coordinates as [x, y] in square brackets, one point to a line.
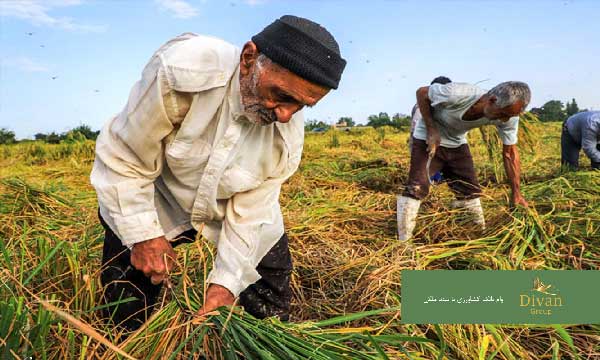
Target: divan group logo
[500, 296]
[541, 299]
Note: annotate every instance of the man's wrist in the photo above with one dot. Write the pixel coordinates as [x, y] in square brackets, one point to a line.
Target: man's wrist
[221, 290]
[149, 241]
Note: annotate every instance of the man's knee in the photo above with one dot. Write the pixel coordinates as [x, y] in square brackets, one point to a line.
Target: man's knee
[272, 294]
[278, 258]
[465, 190]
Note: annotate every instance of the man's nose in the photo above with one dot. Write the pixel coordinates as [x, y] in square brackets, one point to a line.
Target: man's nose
[268, 104]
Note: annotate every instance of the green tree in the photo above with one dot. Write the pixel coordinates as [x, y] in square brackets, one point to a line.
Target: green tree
[41, 136]
[312, 124]
[86, 131]
[400, 121]
[553, 110]
[346, 119]
[7, 136]
[382, 119]
[572, 108]
[54, 138]
[73, 136]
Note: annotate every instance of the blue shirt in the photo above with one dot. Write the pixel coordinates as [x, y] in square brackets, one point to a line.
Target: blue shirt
[584, 127]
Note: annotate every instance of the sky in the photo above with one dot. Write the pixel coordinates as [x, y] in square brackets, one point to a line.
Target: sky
[64, 63]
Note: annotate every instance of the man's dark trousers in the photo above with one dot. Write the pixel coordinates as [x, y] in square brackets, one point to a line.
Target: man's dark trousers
[269, 296]
[455, 163]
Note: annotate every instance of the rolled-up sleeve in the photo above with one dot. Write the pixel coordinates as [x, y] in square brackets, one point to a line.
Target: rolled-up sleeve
[441, 94]
[590, 132]
[252, 226]
[129, 156]
[509, 131]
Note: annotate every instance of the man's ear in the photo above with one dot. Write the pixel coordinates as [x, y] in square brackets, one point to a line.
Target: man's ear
[248, 57]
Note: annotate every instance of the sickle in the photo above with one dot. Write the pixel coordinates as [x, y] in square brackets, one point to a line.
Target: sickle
[427, 168]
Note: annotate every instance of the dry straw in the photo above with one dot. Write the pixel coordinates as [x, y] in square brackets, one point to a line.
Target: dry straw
[340, 216]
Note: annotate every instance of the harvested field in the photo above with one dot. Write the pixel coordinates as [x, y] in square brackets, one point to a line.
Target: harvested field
[340, 215]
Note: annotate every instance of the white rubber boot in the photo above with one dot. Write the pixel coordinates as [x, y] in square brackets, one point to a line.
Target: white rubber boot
[407, 209]
[473, 206]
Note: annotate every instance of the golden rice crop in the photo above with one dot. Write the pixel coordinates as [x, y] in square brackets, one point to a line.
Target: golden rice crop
[340, 216]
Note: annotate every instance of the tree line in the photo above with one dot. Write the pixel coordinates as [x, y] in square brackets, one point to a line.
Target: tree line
[398, 121]
[80, 133]
[555, 110]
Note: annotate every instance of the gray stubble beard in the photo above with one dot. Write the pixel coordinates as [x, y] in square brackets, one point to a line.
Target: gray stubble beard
[256, 113]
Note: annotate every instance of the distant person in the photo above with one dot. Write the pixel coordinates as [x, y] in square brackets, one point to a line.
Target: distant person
[581, 131]
[208, 136]
[449, 111]
[416, 115]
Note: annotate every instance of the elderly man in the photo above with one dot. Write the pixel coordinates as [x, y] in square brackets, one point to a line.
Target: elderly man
[207, 138]
[448, 112]
[581, 131]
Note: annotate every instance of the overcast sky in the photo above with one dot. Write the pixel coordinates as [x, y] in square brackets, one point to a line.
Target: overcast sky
[71, 62]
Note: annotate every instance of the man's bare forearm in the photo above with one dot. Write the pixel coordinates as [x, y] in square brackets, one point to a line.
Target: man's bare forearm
[424, 104]
[512, 165]
[433, 134]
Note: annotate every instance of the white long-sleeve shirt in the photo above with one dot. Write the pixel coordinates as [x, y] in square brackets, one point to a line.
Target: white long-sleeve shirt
[182, 154]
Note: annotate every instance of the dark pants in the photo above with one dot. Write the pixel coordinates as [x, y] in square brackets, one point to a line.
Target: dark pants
[269, 296]
[455, 163]
[570, 149]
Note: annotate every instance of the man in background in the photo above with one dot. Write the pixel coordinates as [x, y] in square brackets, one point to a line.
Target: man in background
[449, 111]
[581, 131]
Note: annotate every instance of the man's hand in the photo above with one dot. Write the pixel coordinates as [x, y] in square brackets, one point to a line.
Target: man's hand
[216, 296]
[154, 257]
[433, 140]
[518, 199]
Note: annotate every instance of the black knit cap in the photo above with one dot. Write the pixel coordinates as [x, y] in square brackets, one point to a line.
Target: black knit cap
[303, 47]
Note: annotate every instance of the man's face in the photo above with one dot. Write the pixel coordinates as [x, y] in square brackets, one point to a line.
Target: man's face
[272, 93]
[493, 112]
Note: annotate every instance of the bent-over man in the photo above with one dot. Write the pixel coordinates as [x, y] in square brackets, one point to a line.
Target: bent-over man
[448, 112]
[581, 131]
[207, 138]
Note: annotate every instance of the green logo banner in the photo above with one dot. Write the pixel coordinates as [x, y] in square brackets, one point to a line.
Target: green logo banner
[500, 297]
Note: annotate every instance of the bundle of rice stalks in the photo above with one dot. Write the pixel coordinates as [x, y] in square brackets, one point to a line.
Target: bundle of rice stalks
[232, 334]
[528, 140]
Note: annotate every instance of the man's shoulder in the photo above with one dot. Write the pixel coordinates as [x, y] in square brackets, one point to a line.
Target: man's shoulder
[458, 88]
[195, 63]
[454, 94]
